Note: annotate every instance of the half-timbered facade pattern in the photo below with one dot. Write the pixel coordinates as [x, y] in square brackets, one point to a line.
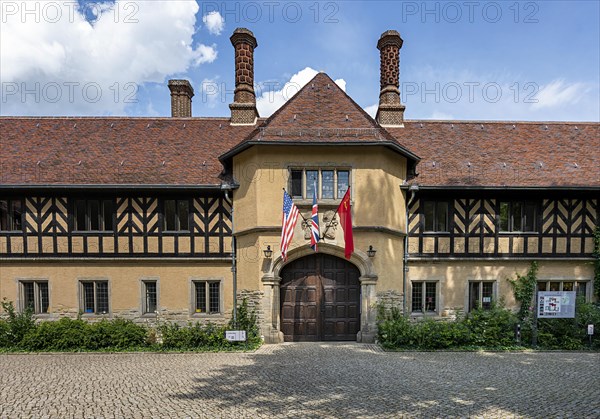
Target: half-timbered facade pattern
[561, 228]
[137, 227]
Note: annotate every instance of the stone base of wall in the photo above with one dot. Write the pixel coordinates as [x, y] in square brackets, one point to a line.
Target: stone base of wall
[181, 317]
[389, 299]
[254, 299]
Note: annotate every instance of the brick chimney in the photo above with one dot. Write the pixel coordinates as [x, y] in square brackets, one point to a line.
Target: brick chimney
[243, 108]
[390, 112]
[181, 98]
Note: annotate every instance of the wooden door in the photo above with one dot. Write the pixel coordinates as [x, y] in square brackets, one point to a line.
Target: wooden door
[320, 299]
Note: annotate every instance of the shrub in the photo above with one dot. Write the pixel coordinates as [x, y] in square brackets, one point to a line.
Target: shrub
[491, 328]
[17, 324]
[247, 321]
[482, 328]
[116, 334]
[5, 341]
[63, 335]
[524, 289]
[394, 330]
[193, 336]
[570, 333]
[209, 336]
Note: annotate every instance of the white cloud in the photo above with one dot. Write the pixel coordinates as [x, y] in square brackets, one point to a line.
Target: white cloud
[205, 54]
[559, 93]
[272, 98]
[63, 64]
[214, 22]
[372, 110]
[458, 94]
[441, 116]
[210, 92]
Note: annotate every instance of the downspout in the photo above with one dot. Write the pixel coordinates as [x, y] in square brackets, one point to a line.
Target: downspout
[226, 188]
[413, 189]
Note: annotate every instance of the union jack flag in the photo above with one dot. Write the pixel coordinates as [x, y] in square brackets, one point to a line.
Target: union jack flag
[314, 221]
[290, 216]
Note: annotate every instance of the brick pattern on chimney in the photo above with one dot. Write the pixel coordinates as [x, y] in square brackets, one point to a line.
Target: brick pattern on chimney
[391, 110]
[243, 108]
[390, 64]
[181, 98]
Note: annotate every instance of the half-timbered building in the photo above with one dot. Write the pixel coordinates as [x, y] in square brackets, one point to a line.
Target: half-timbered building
[179, 218]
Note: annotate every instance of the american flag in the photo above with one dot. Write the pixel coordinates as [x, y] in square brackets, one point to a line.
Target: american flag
[314, 221]
[290, 216]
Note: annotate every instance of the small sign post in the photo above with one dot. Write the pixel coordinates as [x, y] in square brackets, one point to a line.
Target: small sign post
[235, 335]
[590, 332]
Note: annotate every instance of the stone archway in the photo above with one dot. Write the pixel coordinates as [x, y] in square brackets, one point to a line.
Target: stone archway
[271, 326]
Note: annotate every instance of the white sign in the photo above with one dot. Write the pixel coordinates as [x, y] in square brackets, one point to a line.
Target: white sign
[590, 329]
[235, 335]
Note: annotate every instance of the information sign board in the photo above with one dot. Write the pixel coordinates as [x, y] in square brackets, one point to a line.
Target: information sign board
[556, 304]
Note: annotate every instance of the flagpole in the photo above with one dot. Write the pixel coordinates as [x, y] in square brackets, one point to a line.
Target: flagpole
[332, 218]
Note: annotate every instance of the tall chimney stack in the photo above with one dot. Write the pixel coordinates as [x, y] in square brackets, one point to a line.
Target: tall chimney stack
[390, 112]
[181, 98]
[243, 108]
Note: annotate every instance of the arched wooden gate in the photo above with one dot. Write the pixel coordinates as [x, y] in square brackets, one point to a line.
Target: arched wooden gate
[320, 299]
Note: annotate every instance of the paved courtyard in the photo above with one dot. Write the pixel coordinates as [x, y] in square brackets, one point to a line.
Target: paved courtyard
[301, 380]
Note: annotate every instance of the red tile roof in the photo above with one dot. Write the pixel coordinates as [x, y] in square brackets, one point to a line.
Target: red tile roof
[185, 151]
[519, 154]
[175, 151]
[321, 112]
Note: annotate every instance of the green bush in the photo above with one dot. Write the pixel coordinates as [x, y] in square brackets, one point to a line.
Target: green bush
[196, 336]
[62, 335]
[396, 331]
[115, 334]
[5, 341]
[193, 336]
[491, 328]
[247, 321]
[431, 334]
[487, 329]
[17, 325]
[569, 333]
[481, 328]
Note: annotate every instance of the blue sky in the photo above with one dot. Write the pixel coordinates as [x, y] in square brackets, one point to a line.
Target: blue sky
[460, 60]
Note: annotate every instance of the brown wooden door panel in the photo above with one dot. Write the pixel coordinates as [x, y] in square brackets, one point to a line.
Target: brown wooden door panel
[320, 299]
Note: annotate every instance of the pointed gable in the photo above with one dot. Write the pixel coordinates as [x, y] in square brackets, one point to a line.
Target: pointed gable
[320, 113]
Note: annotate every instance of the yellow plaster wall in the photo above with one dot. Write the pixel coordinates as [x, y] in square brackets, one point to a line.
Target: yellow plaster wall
[376, 176]
[124, 282]
[262, 173]
[454, 276]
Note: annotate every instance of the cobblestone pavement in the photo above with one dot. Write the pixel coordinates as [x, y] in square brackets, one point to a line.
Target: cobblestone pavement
[301, 380]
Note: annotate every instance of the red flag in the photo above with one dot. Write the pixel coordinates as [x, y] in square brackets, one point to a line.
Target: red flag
[345, 212]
